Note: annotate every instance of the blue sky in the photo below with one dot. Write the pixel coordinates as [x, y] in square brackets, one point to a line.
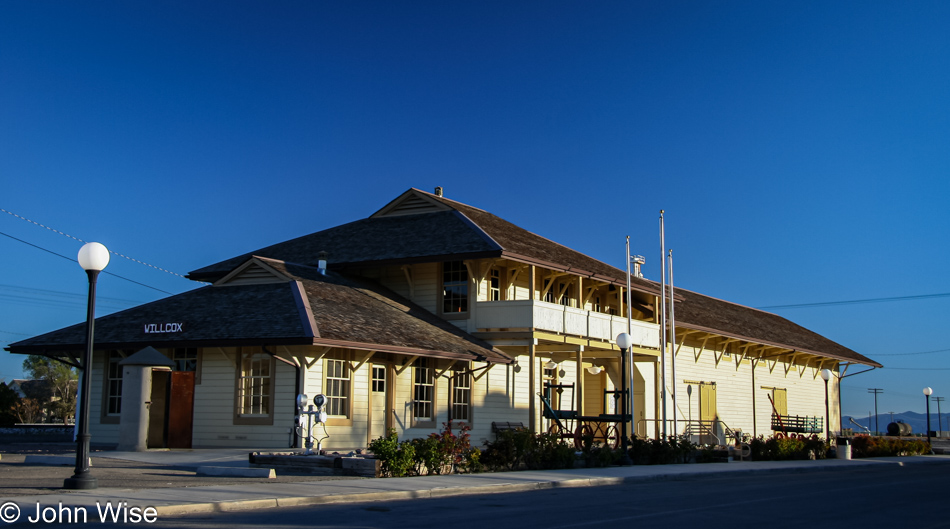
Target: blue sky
[800, 149]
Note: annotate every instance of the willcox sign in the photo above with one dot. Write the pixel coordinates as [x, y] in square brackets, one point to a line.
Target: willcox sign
[161, 328]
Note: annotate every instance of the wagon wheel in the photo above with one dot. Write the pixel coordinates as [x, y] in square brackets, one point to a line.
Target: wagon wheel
[779, 435]
[612, 437]
[801, 437]
[583, 430]
[814, 437]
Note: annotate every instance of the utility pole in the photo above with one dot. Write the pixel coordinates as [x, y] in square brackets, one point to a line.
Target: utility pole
[892, 415]
[939, 417]
[876, 391]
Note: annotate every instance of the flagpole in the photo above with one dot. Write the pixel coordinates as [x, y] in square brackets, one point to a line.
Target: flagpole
[673, 341]
[629, 372]
[663, 325]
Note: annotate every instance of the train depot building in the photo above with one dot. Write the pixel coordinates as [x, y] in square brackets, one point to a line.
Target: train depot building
[431, 310]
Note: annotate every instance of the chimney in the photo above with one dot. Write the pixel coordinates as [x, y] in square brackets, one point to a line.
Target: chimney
[638, 261]
[438, 191]
[322, 263]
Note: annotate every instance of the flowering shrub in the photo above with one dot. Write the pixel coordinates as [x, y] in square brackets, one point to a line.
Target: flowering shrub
[439, 453]
[867, 446]
[784, 448]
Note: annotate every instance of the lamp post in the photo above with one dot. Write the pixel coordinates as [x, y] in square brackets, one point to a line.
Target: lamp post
[826, 376]
[93, 258]
[939, 415]
[624, 341]
[927, 392]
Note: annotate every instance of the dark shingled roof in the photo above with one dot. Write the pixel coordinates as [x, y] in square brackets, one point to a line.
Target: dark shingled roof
[219, 315]
[357, 310]
[704, 313]
[464, 232]
[522, 245]
[346, 312]
[404, 238]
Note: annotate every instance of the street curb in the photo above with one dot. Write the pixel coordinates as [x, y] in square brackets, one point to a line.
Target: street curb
[396, 495]
[241, 472]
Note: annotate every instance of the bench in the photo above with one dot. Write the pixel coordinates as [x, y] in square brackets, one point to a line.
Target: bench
[506, 426]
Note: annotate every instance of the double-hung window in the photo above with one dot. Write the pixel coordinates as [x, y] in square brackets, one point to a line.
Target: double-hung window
[423, 394]
[255, 388]
[112, 382]
[461, 405]
[494, 284]
[454, 287]
[337, 388]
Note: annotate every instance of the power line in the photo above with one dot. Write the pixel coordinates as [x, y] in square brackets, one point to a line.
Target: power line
[73, 260]
[856, 301]
[919, 368]
[909, 354]
[62, 294]
[82, 241]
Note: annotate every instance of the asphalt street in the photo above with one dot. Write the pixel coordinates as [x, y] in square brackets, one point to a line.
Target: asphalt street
[868, 496]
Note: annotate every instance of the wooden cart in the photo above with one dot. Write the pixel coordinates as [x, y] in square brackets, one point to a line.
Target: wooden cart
[568, 424]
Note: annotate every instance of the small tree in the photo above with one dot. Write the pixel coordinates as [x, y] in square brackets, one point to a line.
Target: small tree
[61, 383]
[8, 402]
[28, 411]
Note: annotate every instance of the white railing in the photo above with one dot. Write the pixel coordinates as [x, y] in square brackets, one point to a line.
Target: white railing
[541, 315]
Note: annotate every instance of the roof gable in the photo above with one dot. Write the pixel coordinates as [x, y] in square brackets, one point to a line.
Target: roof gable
[412, 202]
[253, 272]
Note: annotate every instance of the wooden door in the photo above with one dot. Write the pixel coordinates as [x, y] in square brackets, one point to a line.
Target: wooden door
[379, 385]
[780, 398]
[158, 410]
[707, 412]
[181, 409]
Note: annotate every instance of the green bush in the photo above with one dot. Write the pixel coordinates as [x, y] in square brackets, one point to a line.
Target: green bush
[661, 451]
[787, 448]
[397, 459]
[508, 450]
[867, 446]
[549, 451]
[522, 450]
[436, 454]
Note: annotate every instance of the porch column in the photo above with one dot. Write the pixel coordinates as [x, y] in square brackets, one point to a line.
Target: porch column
[532, 398]
[531, 371]
[580, 380]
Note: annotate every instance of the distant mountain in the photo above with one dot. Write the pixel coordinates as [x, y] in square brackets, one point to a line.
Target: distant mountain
[917, 422]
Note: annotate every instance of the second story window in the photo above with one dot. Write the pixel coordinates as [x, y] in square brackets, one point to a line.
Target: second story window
[566, 296]
[454, 287]
[494, 285]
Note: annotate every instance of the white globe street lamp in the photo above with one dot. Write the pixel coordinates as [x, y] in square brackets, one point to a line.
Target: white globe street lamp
[624, 342]
[93, 258]
[927, 393]
[826, 376]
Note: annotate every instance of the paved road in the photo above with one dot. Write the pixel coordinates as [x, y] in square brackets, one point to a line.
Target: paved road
[874, 496]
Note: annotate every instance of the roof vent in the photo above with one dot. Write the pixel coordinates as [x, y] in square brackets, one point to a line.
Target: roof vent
[322, 263]
[637, 261]
[438, 191]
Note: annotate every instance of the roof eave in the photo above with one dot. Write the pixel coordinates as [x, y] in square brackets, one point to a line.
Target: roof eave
[867, 361]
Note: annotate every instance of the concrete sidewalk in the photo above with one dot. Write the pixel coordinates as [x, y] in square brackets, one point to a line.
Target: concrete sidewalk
[260, 495]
